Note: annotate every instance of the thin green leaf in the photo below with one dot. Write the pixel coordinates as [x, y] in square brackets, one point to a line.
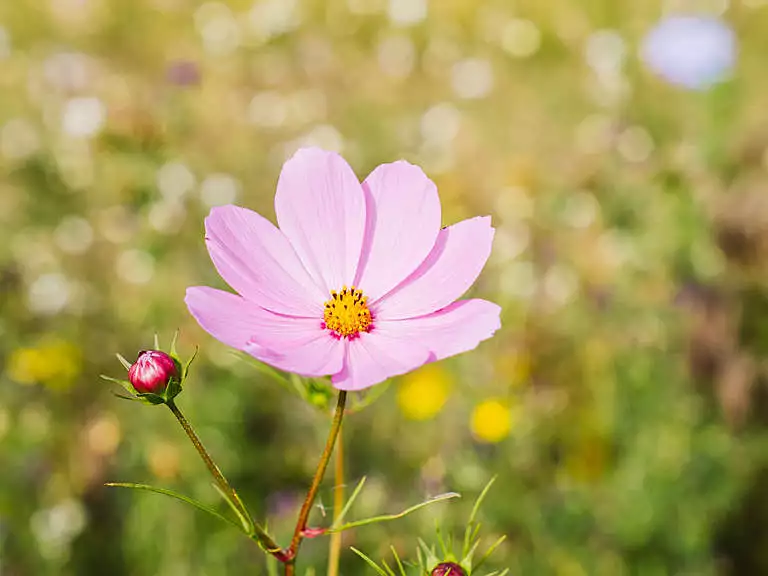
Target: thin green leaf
[177, 496]
[429, 558]
[388, 517]
[189, 363]
[490, 551]
[370, 562]
[123, 361]
[131, 398]
[389, 570]
[397, 559]
[469, 555]
[476, 531]
[124, 383]
[115, 380]
[245, 521]
[423, 546]
[157, 342]
[348, 505]
[467, 534]
[443, 547]
[480, 499]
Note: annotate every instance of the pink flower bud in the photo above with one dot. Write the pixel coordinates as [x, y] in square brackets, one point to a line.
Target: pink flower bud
[448, 569]
[152, 372]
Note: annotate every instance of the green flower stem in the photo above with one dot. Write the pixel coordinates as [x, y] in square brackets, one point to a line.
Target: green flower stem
[253, 529]
[334, 550]
[301, 523]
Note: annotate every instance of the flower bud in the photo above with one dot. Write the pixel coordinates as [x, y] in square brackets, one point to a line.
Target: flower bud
[152, 372]
[448, 569]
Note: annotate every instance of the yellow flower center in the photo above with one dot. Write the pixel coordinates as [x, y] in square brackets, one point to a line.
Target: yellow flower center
[346, 313]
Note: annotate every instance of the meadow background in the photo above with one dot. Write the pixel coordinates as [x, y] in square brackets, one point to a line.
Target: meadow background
[624, 403]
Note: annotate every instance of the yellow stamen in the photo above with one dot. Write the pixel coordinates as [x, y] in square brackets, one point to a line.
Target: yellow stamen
[346, 313]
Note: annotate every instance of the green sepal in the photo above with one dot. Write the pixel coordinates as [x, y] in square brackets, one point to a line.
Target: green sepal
[488, 552]
[172, 351]
[123, 361]
[122, 397]
[124, 383]
[368, 561]
[173, 388]
[150, 398]
[185, 372]
[132, 394]
[397, 559]
[430, 558]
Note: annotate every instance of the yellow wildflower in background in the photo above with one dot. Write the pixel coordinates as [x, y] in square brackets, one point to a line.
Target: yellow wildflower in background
[491, 421]
[423, 393]
[54, 363]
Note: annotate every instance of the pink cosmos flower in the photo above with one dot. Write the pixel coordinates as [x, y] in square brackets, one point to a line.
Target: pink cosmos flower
[359, 282]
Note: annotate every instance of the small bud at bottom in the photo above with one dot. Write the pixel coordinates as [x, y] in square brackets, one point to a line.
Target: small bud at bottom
[448, 569]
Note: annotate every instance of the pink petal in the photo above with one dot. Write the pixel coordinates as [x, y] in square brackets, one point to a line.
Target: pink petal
[450, 269]
[373, 357]
[458, 328]
[257, 260]
[294, 344]
[320, 355]
[321, 209]
[403, 212]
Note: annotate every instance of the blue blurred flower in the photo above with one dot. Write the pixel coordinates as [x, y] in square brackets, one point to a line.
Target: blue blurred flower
[691, 51]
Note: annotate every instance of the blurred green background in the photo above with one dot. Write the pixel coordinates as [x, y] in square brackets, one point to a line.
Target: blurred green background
[624, 404]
